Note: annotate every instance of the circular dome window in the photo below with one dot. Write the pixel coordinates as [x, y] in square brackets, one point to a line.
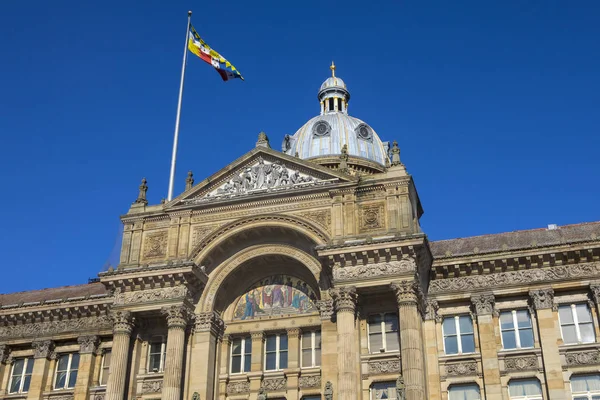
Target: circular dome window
[364, 132]
[321, 128]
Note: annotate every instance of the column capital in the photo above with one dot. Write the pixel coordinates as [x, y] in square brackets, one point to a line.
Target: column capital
[43, 349]
[88, 344]
[209, 322]
[257, 336]
[177, 316]
[542, 298]
[293, 332]
[595, 289]
[407, 292]
[345, 298]
[325, 309]
[123, 322]
[4, 354]
[431, 310]
[483, 303]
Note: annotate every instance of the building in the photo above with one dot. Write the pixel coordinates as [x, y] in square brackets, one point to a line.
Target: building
[304, 274]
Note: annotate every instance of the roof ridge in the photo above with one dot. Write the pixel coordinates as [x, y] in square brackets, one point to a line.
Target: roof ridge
[49, 288]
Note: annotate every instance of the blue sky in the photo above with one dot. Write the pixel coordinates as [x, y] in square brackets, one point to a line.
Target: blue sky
[495, 106]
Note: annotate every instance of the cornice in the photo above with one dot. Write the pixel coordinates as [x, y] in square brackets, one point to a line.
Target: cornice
[62, 307]
[372, 243]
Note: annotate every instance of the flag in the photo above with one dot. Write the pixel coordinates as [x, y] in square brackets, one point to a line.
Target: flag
[199, 47]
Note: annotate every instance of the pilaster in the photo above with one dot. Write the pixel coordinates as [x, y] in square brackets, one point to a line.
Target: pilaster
[41, 376]
[329, 354]
[88, 345]
[208, 327]
[5, 363]
[486, 324]
[345, 300]
[257, 360]
[432, 318]
[293, 372]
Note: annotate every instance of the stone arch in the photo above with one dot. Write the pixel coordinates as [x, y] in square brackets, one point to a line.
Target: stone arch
[223, 271]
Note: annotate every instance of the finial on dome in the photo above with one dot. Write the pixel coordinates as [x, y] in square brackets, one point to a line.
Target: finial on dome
[332, 68]
[263, 140]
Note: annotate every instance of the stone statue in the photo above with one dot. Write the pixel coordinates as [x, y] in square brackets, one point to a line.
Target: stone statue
[286, 145]
[141, 199]
[344, 159]
[196, 396]
[400, 388]
[189, 181]
[395, 153]
[262, 395]
[328, 392]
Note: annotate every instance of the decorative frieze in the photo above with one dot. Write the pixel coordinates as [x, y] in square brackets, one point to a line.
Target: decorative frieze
[50, 328]
[345, 298]
[372, 217]
[483, 303]
[209, 321]
[576, 358]
[431, 310]
[312, 381]
[200, 232]
[177, 316]
[383, 367]
[521, 363]
[123, 322]
[321, 217]
[542, 298]
[512, 278]
[88, 344]
[43, 348]
[377, 270]
[154, 386]
[325, 309]
[151, 295]
[155, 245]
[461, 368]
[274, 384]
[238, 387]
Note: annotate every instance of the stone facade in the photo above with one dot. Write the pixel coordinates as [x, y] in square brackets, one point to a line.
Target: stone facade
[279, 277]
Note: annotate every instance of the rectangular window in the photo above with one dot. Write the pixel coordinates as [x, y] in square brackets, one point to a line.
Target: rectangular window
[525, 389]
[331, 104]
[585, 387]
[383, 390]
[276, 352]
[458, 334]
[311, 349]
[66, 371]
[464, 392]
[241, 355]
[105, 367]
[156, 354]
[383, 333]
[576, 323]
[20, 376]
[516, 329]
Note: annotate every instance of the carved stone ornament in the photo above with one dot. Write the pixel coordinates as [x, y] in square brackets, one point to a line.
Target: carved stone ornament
[321, 217]
[49, 328]
[321, 128]
[372, 217]
[43, 348]
[595, 289]
[196, 396]
[376, 270]
[238, 387]
[99, 397]
[542, 298]
[61, 397]
[328, 391]
[151, 295]
[407, 292]
[431, 310]
[483, 303]
[122, 322]
[325, 309]
[209, 321]
[155, 245]
[522, 363]
[88, 344]
[262, 394]
[345, 298]
[154, 386]
[177, 316]
[503, 279]
[274, 384]
[383, 367]
[582, 358]
[202, 231]
[4, 353]
[307, 382]
[462, 368]
[260, 177]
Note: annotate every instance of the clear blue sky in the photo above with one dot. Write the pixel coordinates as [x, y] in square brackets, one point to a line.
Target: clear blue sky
[495, 105]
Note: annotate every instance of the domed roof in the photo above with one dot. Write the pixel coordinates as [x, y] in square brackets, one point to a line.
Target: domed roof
[333, 82]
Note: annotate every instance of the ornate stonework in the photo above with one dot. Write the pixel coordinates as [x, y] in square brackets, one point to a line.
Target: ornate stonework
[345, 298]
[4, 353]
[311, 381]
[123, 322]
[200, 232]
[407, 292]
[49, 328]
[151, 295]
[483, 303]
[43, 348]
[372, 217]
[321, 217]
[177, 316]
[375, 270]
[155, 245]
[431, 310]
[152, 386]
[542, 298]
[384, 367]
[238, 387]
[461, 368]
[326, 309]
[274, 384]
[583, 358]
[88, 344]
[209, 321]
[521, 363]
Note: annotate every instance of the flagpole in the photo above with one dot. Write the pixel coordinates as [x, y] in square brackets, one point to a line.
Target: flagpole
[176, 137]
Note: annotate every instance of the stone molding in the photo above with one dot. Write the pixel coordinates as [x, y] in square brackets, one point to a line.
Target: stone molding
[4, 354]
[274, 384]
[155, 244]
[461, 368]
[151, 295]
[177, 316]
[152, 386]
[209, 322]
[344, 298]
[375, 270]
[576, 358]
[88, 344]
[383, 367]
[257, 336]
[503, 279]
[50, 328]
[311, 381]
[407, 292]
[321, 217]
[431, 310]
[123, 322]
[483, 303]
[521, 363]
[542, 298]
[43, 349]
[595, 289]
[293, 332]
[326, 309]
[61, 397]
[238, 387]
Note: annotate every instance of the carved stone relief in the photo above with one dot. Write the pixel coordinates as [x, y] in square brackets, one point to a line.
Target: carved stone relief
[374, 270]
[88, 344]
[321, 217]
[483, 303]
[542, 298]
[274, 384]
[372, 217]
[384, 367]
[325, 309]
[150, 295]
[306, 382]
[583, 358]
[522, 363]
[462, 368]
[200, 232]
[152, 386]
[155, 245]
[238, 387]
[49, 328]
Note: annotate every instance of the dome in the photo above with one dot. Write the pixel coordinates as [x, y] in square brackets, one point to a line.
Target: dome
[325, 135]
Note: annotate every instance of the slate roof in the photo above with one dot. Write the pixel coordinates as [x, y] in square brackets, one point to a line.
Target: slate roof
[95, 289]
[516, 240]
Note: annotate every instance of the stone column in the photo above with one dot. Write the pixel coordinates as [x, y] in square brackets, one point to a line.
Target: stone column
[41, 374]
[208, 327]
[595, 289]
[4, 368]
[431, 349]
[88, 345]
[177, 321]
[345, 299]
[293, 373]
[122, 328]
[549, 333]
[329, 355]
[484, 308]
[410, 298]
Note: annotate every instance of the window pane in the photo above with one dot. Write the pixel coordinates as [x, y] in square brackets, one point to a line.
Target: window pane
[584, 383]
[587, 333]
[247, 363]
[154, 363]
[15, 384]
[271, 343]
[75, 361]
[107, 356]
[451, 345]
[270, 365]
[464, 392]
[283, 342]
[236, 346]
[509, 340]
[465, 324]
[565, 315]
[376, 342]
[375, 323]
[523, 319]
[392, 340]
[26, 382]
[18, 366]
[468, 343]
[29, 368]
[72, 379]
[391, 322]
[248, 346]
[317, 356]
[283, 358]
[583, 313]
[318, 339]
[61, 380]
[155, 347]
[63, 362]
[306, 358]
[236, 364]
[526, 336]
[449, 326]
[506, 320]
[569, 334]
[524, 387]
[306, 340]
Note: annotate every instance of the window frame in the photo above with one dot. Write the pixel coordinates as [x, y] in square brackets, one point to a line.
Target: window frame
[458, 335]
[23, 375]
[589, 394]
[69, 370]
[277, 352]
[103, 367]
[526, 397]
[516, 329]
[576, 323]
[388, 384]
[383, 332]
[243, 354]
[466, 384]
[163, 354]
[313, 348]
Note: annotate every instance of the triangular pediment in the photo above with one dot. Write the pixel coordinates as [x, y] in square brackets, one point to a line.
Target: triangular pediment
[262, 171]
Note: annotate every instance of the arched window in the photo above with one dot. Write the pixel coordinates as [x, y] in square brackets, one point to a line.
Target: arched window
[464, 392]
[525, 389]
[585, 387]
